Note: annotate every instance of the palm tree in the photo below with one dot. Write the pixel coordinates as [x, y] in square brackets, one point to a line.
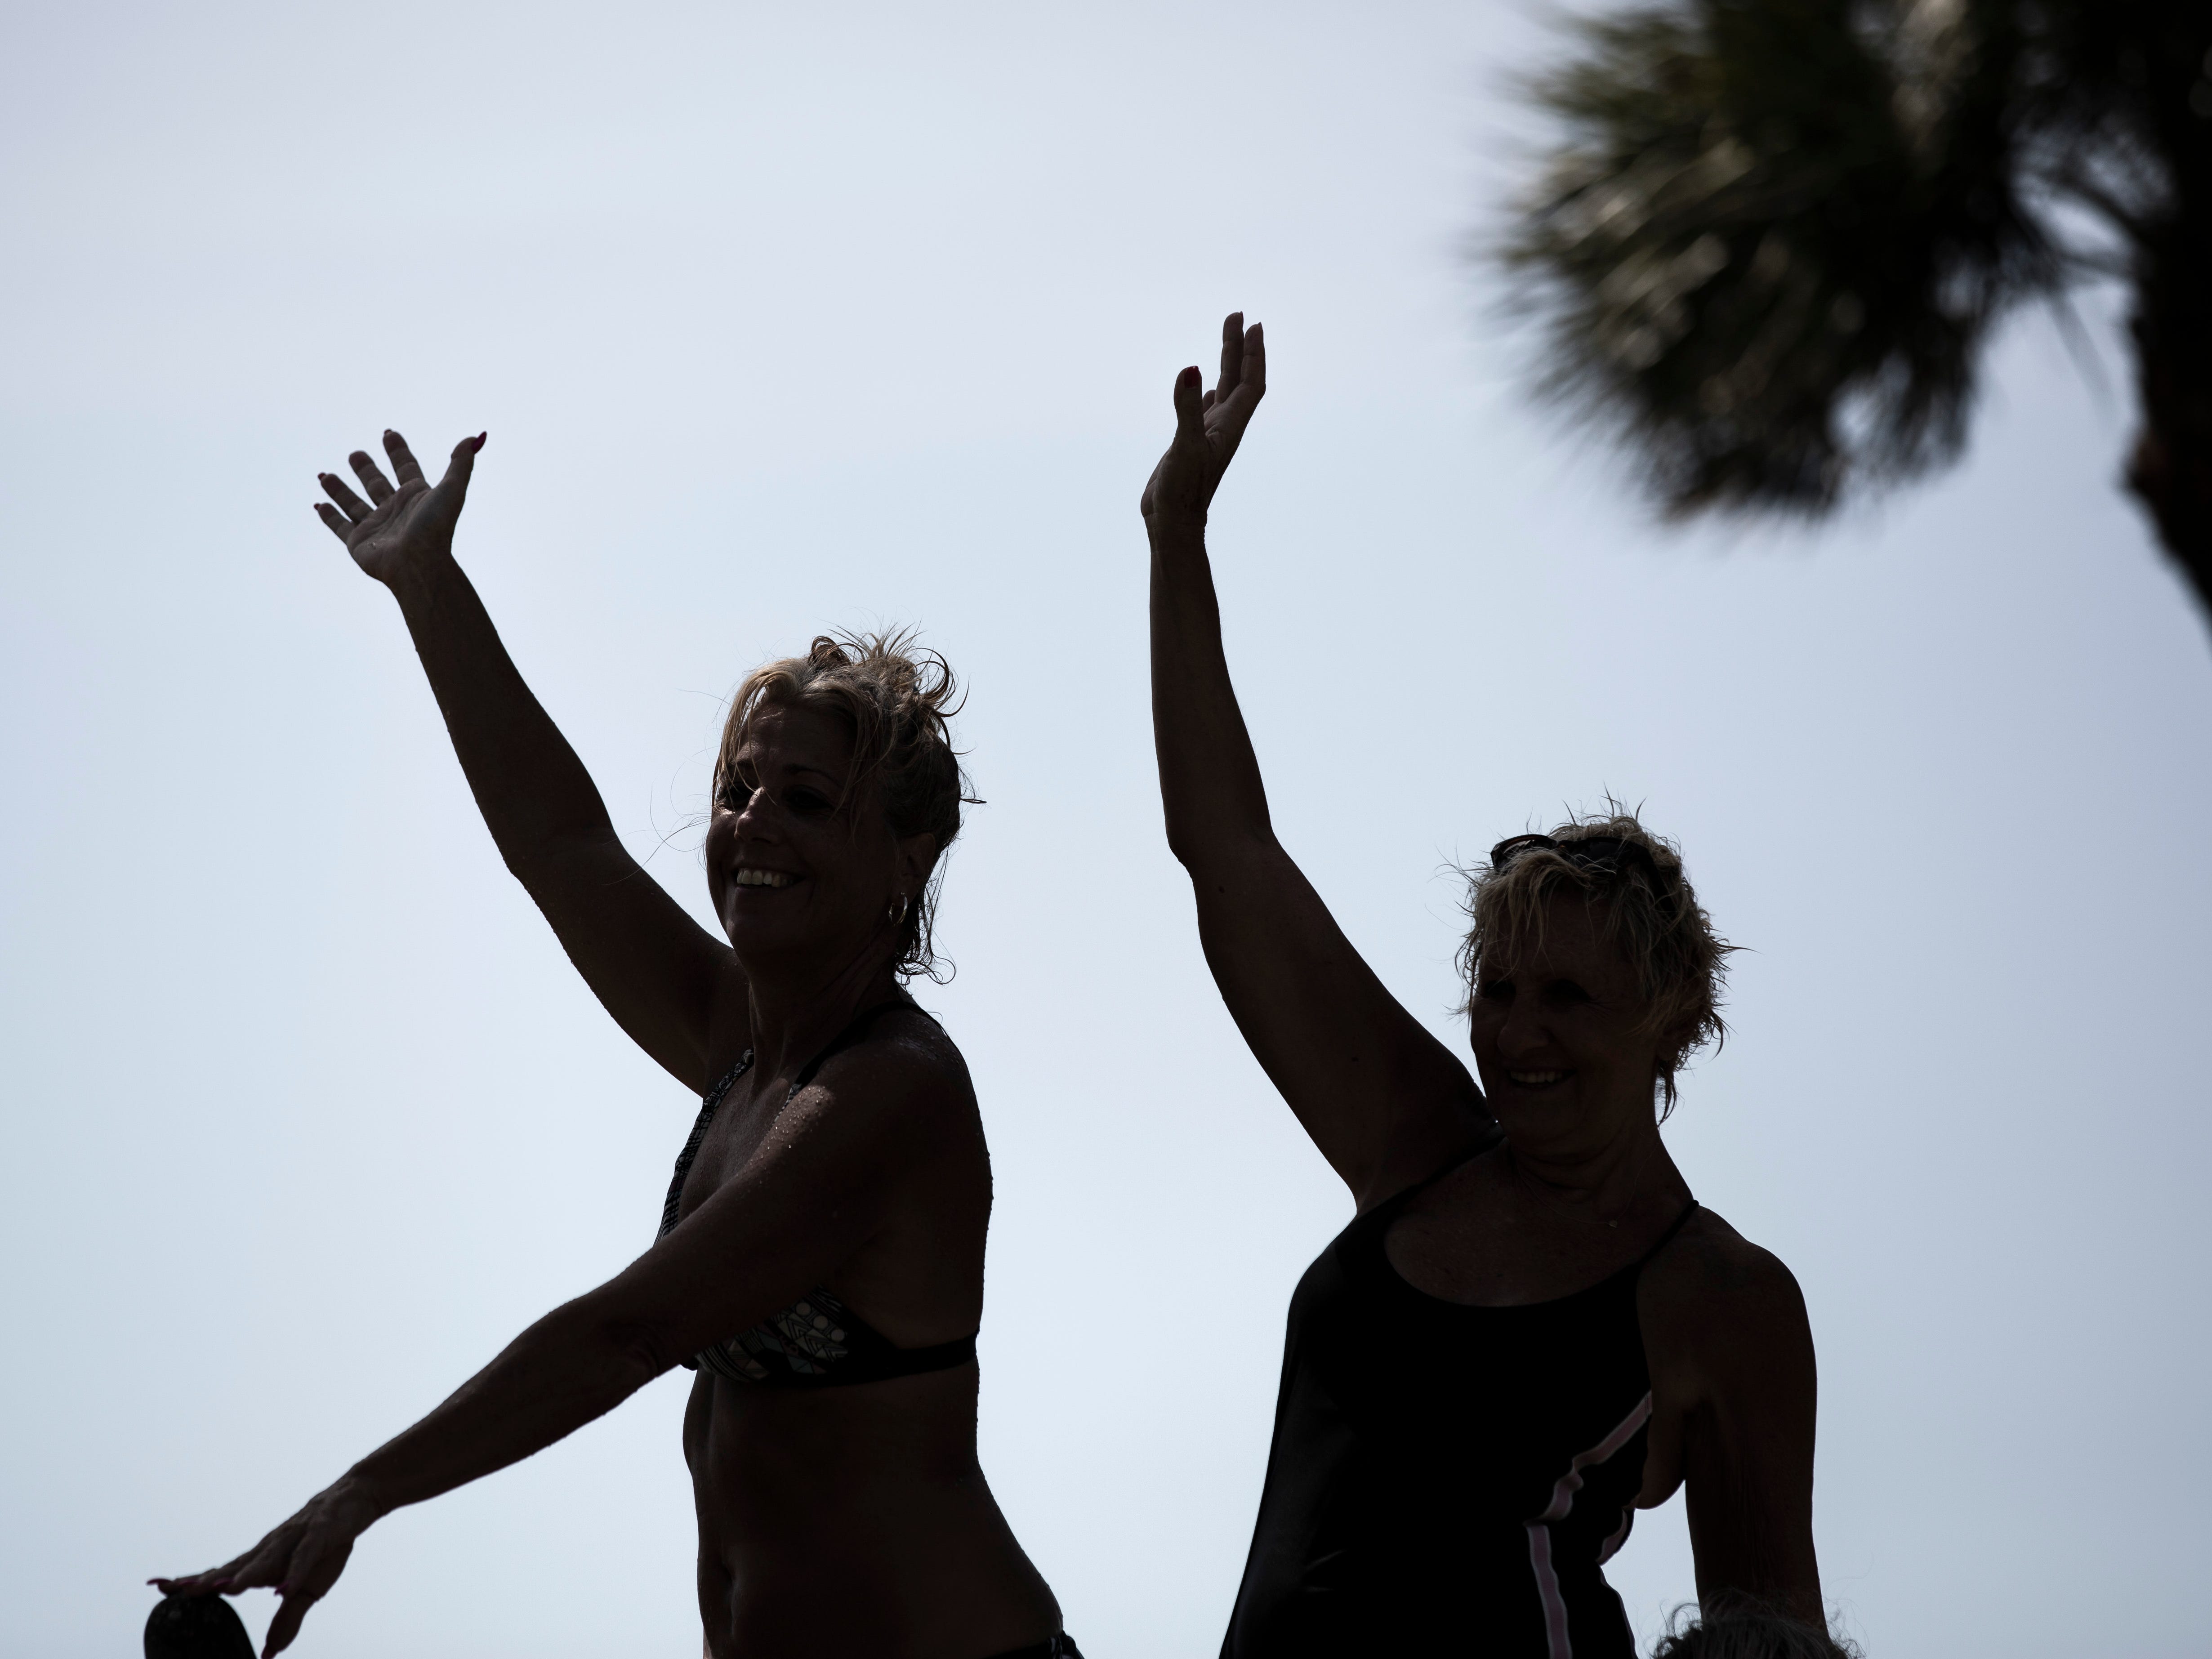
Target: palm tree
[1774, 235]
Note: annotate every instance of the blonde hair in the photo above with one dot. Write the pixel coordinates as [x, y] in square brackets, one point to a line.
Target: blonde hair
[1646, 906]
[896, 699]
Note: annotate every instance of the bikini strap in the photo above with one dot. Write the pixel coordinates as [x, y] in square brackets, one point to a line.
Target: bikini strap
[708, 1104]
[714, 1096]
[1668, 1238]
[855, 1029]
[853, 1032]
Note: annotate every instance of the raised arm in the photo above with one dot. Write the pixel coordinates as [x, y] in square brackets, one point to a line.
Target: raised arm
[658, 972]
[816, 1191]
[1385, 1101]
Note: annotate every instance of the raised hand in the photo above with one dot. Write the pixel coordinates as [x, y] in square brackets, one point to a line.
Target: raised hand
[399, 523]
[1208, 428]
[301, 1560]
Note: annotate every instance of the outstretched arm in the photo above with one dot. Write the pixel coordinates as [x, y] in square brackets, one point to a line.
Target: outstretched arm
[1385, 1101]
[658, 972]
[811, 1197]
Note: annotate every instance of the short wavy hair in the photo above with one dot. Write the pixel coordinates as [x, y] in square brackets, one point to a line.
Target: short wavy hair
[1736, 1627]
[1645, 906]
[897, 699]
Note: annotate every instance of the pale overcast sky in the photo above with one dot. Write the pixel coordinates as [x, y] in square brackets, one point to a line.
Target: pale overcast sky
[783, 318]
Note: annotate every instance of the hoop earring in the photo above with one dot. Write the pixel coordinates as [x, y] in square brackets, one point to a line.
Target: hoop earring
[897, 912]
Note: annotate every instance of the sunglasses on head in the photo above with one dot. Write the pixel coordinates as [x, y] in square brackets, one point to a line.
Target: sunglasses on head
[1608, 853]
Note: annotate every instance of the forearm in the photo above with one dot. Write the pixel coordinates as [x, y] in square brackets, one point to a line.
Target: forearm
[565, 1370]
[1210, 783]
[533, 790]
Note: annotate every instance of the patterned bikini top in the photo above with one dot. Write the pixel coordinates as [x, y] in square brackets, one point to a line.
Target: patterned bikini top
[817, 1341]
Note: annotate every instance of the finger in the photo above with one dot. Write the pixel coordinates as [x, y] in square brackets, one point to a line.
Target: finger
[199, 1583]
[1205, 403]
[1189, 403]
[1234, 413]
[1232, 354]
[316, 1567]
[214, 1579]
[371, 477]
[1255, 361]
[286, 1625]
[349, 503]
[331, 516]
[460, 469]
[265, 1567]
[405, 468]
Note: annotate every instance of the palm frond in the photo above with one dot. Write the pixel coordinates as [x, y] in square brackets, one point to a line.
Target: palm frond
[1773, 237]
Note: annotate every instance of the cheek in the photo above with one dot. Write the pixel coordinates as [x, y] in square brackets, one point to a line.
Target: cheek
[841, 865]
[722, 832]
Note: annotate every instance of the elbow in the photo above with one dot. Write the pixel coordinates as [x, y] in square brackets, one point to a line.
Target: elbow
[1196, 853]
[525, 860]
[1180, 839]
[1219, 856]
[547, 862]
[640, 1350]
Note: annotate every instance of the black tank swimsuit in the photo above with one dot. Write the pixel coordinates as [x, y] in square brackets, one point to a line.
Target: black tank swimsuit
[1446, 1478]
[817, 1341]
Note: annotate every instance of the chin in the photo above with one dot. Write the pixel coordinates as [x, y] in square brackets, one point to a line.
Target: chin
[762, 937]
[1530, 1123]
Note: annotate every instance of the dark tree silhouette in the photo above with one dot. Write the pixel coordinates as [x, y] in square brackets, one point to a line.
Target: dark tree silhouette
[1774, 235]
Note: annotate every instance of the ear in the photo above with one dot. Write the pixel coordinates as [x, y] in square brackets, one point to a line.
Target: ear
[916, 856]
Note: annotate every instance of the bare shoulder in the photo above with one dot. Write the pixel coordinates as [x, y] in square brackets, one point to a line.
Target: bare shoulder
[1714, 1293]
[905, 1077]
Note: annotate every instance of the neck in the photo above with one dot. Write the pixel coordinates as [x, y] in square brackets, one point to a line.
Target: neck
[797, 1008]
[1601, 1181]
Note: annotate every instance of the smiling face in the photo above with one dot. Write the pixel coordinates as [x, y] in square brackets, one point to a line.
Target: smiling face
[1558, 1035]
[804, 875]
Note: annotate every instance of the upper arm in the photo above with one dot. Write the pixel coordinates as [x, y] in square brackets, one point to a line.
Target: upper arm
[821, 1184]
[1747, 1436]
[659, 973]
[1383, 1100]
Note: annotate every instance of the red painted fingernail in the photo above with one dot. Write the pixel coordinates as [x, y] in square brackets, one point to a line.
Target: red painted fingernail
[478, 440]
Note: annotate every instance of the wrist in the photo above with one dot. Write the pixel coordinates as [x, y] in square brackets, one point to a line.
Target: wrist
[419, 578]
[362, 1497]
[1177, 529]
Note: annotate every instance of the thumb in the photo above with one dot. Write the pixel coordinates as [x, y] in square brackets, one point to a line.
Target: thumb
[463, 462]
[1190, 404]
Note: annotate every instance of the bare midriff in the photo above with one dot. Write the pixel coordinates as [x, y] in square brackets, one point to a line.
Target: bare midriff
[853, 1520]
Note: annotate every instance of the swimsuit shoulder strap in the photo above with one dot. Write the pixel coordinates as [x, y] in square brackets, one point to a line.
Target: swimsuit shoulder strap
[709, 1103]
[855, 1029]
[714, 1096]
[1668, 1238]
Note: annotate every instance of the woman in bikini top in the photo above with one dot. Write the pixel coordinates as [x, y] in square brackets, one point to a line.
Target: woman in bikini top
[1529, 1330]
[820, 1259]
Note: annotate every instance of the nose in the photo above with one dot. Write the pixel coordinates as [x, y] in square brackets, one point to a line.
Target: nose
[755, 819]
[1524, 1030]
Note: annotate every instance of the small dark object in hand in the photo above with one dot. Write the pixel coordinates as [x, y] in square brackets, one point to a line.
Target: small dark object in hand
[196, 1627]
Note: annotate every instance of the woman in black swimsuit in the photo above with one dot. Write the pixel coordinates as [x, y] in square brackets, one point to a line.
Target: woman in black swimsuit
[1530, 1329]
[829, 1207]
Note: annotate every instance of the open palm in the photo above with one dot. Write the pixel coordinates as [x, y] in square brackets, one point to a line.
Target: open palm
[401, 523]
[1208, 427]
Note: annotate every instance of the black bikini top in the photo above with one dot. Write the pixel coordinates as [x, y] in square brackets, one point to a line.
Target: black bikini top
[817, 1341]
